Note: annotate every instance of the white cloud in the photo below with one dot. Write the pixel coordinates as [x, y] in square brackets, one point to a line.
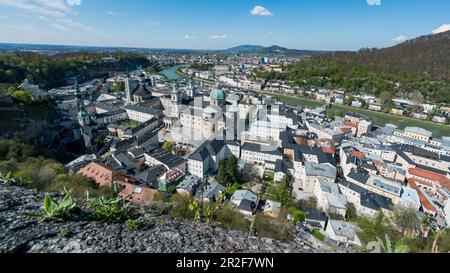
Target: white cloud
[270, 32]
[149, 23]
[116, 13]
[54, 4]
[74, 2]
[374, 2]
[224, 36]
[400, 38]
[261, 11]
[33, 8]
[189, 37]
[443, 28]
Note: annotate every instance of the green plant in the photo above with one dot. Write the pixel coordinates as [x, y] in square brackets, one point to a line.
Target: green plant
[318, 235]
[194, 207]
[159, 223]
[64, 232]
[53, 209]
[400, 246]
[10, 180]
[297, 215]
[133, 224]
[111, 211]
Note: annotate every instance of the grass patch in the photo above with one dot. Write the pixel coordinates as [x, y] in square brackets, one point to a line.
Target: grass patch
[129, 123]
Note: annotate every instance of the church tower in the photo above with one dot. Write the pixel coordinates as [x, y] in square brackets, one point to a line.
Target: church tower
[84, 120]
[175, 100]
[191, 89]
[83, 115]
[128, 90]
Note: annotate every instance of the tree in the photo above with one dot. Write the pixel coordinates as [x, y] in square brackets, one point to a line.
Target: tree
[351, 212]
[221, 172]
[407, 221]
[232, 169]
[119, 87]
[385, 97]
[350, 100]
[168, 146]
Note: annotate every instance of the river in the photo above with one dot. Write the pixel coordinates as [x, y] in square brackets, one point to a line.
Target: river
[171, 73]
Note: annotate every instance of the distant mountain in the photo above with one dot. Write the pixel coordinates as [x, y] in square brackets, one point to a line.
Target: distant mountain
[243, 48]
[271, 50]
[278, 50]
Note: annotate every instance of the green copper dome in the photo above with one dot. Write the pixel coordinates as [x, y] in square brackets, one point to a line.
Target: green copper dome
[217, 94]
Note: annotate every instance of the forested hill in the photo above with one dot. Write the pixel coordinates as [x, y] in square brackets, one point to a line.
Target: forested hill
[51, 71]
[418, 67]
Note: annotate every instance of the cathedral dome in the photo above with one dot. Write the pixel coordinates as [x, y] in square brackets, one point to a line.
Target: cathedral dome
[217, 94]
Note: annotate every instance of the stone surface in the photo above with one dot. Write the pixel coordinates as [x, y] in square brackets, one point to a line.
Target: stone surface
[160, 233]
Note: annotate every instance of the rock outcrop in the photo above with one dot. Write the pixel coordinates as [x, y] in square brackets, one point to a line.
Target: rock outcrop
[160, 233]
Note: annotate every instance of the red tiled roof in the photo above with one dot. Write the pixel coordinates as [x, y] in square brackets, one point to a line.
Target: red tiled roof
[137, 194]
[101, 174]
[442, 180]
[423, 199]
[329, 151]
[358, 154]
[350, 124]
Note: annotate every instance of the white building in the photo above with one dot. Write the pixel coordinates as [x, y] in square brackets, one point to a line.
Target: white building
[343, 232]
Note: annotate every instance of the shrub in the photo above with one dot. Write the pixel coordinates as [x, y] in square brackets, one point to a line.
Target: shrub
[79, 185]
[268, 227]
[318, 235]
[111, 211]
[133, 224]
[183, 207]
[231, 219]
[297, 215]
[22, 97]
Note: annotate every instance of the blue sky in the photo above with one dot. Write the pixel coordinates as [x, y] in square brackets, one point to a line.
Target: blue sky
[218, 24]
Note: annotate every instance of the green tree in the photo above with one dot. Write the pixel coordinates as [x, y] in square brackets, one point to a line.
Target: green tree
[119, 87]
[221, 172]
[168, 146]
[351, 212]
[232, 169]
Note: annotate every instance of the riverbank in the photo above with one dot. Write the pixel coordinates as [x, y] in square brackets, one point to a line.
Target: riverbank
[184, 75]
[380, 119]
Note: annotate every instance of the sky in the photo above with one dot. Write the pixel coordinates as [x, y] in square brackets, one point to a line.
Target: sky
[220, 24]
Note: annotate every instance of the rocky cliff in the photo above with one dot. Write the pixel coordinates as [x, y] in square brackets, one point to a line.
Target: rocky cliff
[160, 233]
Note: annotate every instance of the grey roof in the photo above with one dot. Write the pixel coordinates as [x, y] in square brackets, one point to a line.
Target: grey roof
[244, 195]
[144, 109]
[208, 148]
[343, 229]
[247, 205]
[124, 160]
[261, 148]
[324, 170]
[165, 157]
[190, 184]
[149, 177]
[418, 130]
[315, 215]
[375, 201]
[210, 191]
[359, 175]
